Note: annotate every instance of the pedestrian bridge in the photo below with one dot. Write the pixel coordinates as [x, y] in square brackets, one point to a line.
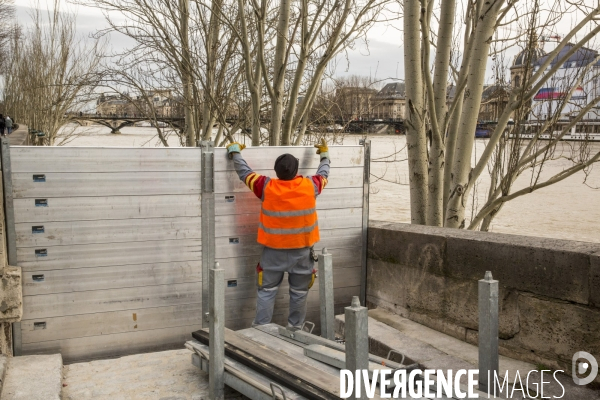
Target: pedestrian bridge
[116, 122]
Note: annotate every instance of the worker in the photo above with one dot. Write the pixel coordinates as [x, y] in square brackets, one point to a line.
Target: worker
[288, 229]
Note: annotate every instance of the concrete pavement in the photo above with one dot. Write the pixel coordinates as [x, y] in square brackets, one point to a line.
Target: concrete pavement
[165, 375]
[436, 350]
[19, 136]
[33, 378]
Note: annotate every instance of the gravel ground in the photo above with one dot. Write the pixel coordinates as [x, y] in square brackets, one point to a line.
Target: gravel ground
[166, 375]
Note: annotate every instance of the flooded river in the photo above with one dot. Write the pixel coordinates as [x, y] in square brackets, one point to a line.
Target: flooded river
[567, 210]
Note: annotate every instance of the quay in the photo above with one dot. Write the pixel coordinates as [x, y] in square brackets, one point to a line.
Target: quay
[111, 287]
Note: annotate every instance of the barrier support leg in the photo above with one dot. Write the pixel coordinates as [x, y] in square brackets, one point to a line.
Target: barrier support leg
[488, 331]
[207, 222]
[357, 343]
[216, 366]
[326, 295]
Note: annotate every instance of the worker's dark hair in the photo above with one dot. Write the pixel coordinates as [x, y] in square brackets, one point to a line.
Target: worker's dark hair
[286, 167]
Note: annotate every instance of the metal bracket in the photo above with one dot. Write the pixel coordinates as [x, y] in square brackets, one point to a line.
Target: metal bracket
[309, 323]
[392, 351]
[208, 166]
[273, 386]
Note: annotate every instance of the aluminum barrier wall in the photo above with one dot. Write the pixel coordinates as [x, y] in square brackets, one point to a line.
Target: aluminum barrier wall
[110, 241]
[110, 247]
[341, 216]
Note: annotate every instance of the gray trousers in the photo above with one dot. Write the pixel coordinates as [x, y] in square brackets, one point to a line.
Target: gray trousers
[275, 263]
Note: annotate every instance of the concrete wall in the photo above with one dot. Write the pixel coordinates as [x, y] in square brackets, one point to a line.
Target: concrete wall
[549, 289]
[19, 136]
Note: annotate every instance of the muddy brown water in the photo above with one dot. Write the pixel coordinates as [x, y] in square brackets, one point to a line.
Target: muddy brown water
[566, 210]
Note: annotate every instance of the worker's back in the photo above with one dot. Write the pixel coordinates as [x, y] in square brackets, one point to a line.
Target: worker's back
[288, 229]
[288, 217]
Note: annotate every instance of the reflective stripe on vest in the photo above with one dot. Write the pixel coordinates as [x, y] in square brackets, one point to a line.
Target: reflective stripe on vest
[290, 231]
[288, 217]
[297, 213]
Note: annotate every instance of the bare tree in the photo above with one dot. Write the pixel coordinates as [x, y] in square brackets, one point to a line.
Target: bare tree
[440, 134]
[181, 45]
[7, 29]
[288, 52]
[52, 72]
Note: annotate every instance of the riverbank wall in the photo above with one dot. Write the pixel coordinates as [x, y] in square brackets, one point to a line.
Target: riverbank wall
[549, 289]
[19, 136]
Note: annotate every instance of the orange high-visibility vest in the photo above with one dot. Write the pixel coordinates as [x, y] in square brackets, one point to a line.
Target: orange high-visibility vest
[288, 217]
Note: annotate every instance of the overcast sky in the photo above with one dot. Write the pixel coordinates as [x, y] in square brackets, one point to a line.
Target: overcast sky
[381, 59]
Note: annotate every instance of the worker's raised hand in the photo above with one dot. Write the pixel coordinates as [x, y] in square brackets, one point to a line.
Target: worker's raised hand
[234, 147]
[323, 150]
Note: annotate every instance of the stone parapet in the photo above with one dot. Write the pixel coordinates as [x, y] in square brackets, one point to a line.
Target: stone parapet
[549, 289]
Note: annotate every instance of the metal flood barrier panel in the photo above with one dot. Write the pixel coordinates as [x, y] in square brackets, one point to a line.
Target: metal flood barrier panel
[342, 226]
[111, 242]
[110, 248]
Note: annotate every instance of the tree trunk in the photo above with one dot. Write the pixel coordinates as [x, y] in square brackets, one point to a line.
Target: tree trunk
[279, 72]
[415, 134]
[291, 107]
[461, 167]
[186, 74]
[253, 76]
[255, 117]
[436, 192]
[208, 117]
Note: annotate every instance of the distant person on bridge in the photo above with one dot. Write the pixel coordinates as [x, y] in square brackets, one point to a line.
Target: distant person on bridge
[288, 229]
[9, 125]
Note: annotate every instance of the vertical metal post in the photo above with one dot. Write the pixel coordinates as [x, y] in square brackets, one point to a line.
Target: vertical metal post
[326, 295]
[488, 331]
[207, 221]
[9, 214]
[357, 341]
[216, 345]
[9, 228]
[365, 220]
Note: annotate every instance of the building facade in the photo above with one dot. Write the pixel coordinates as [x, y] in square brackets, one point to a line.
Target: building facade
[571, 88]
[390, 102]
[162, 103]
[567, 95]
[353, 103]
[494, 100]
[109, 105]
[522, 67]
